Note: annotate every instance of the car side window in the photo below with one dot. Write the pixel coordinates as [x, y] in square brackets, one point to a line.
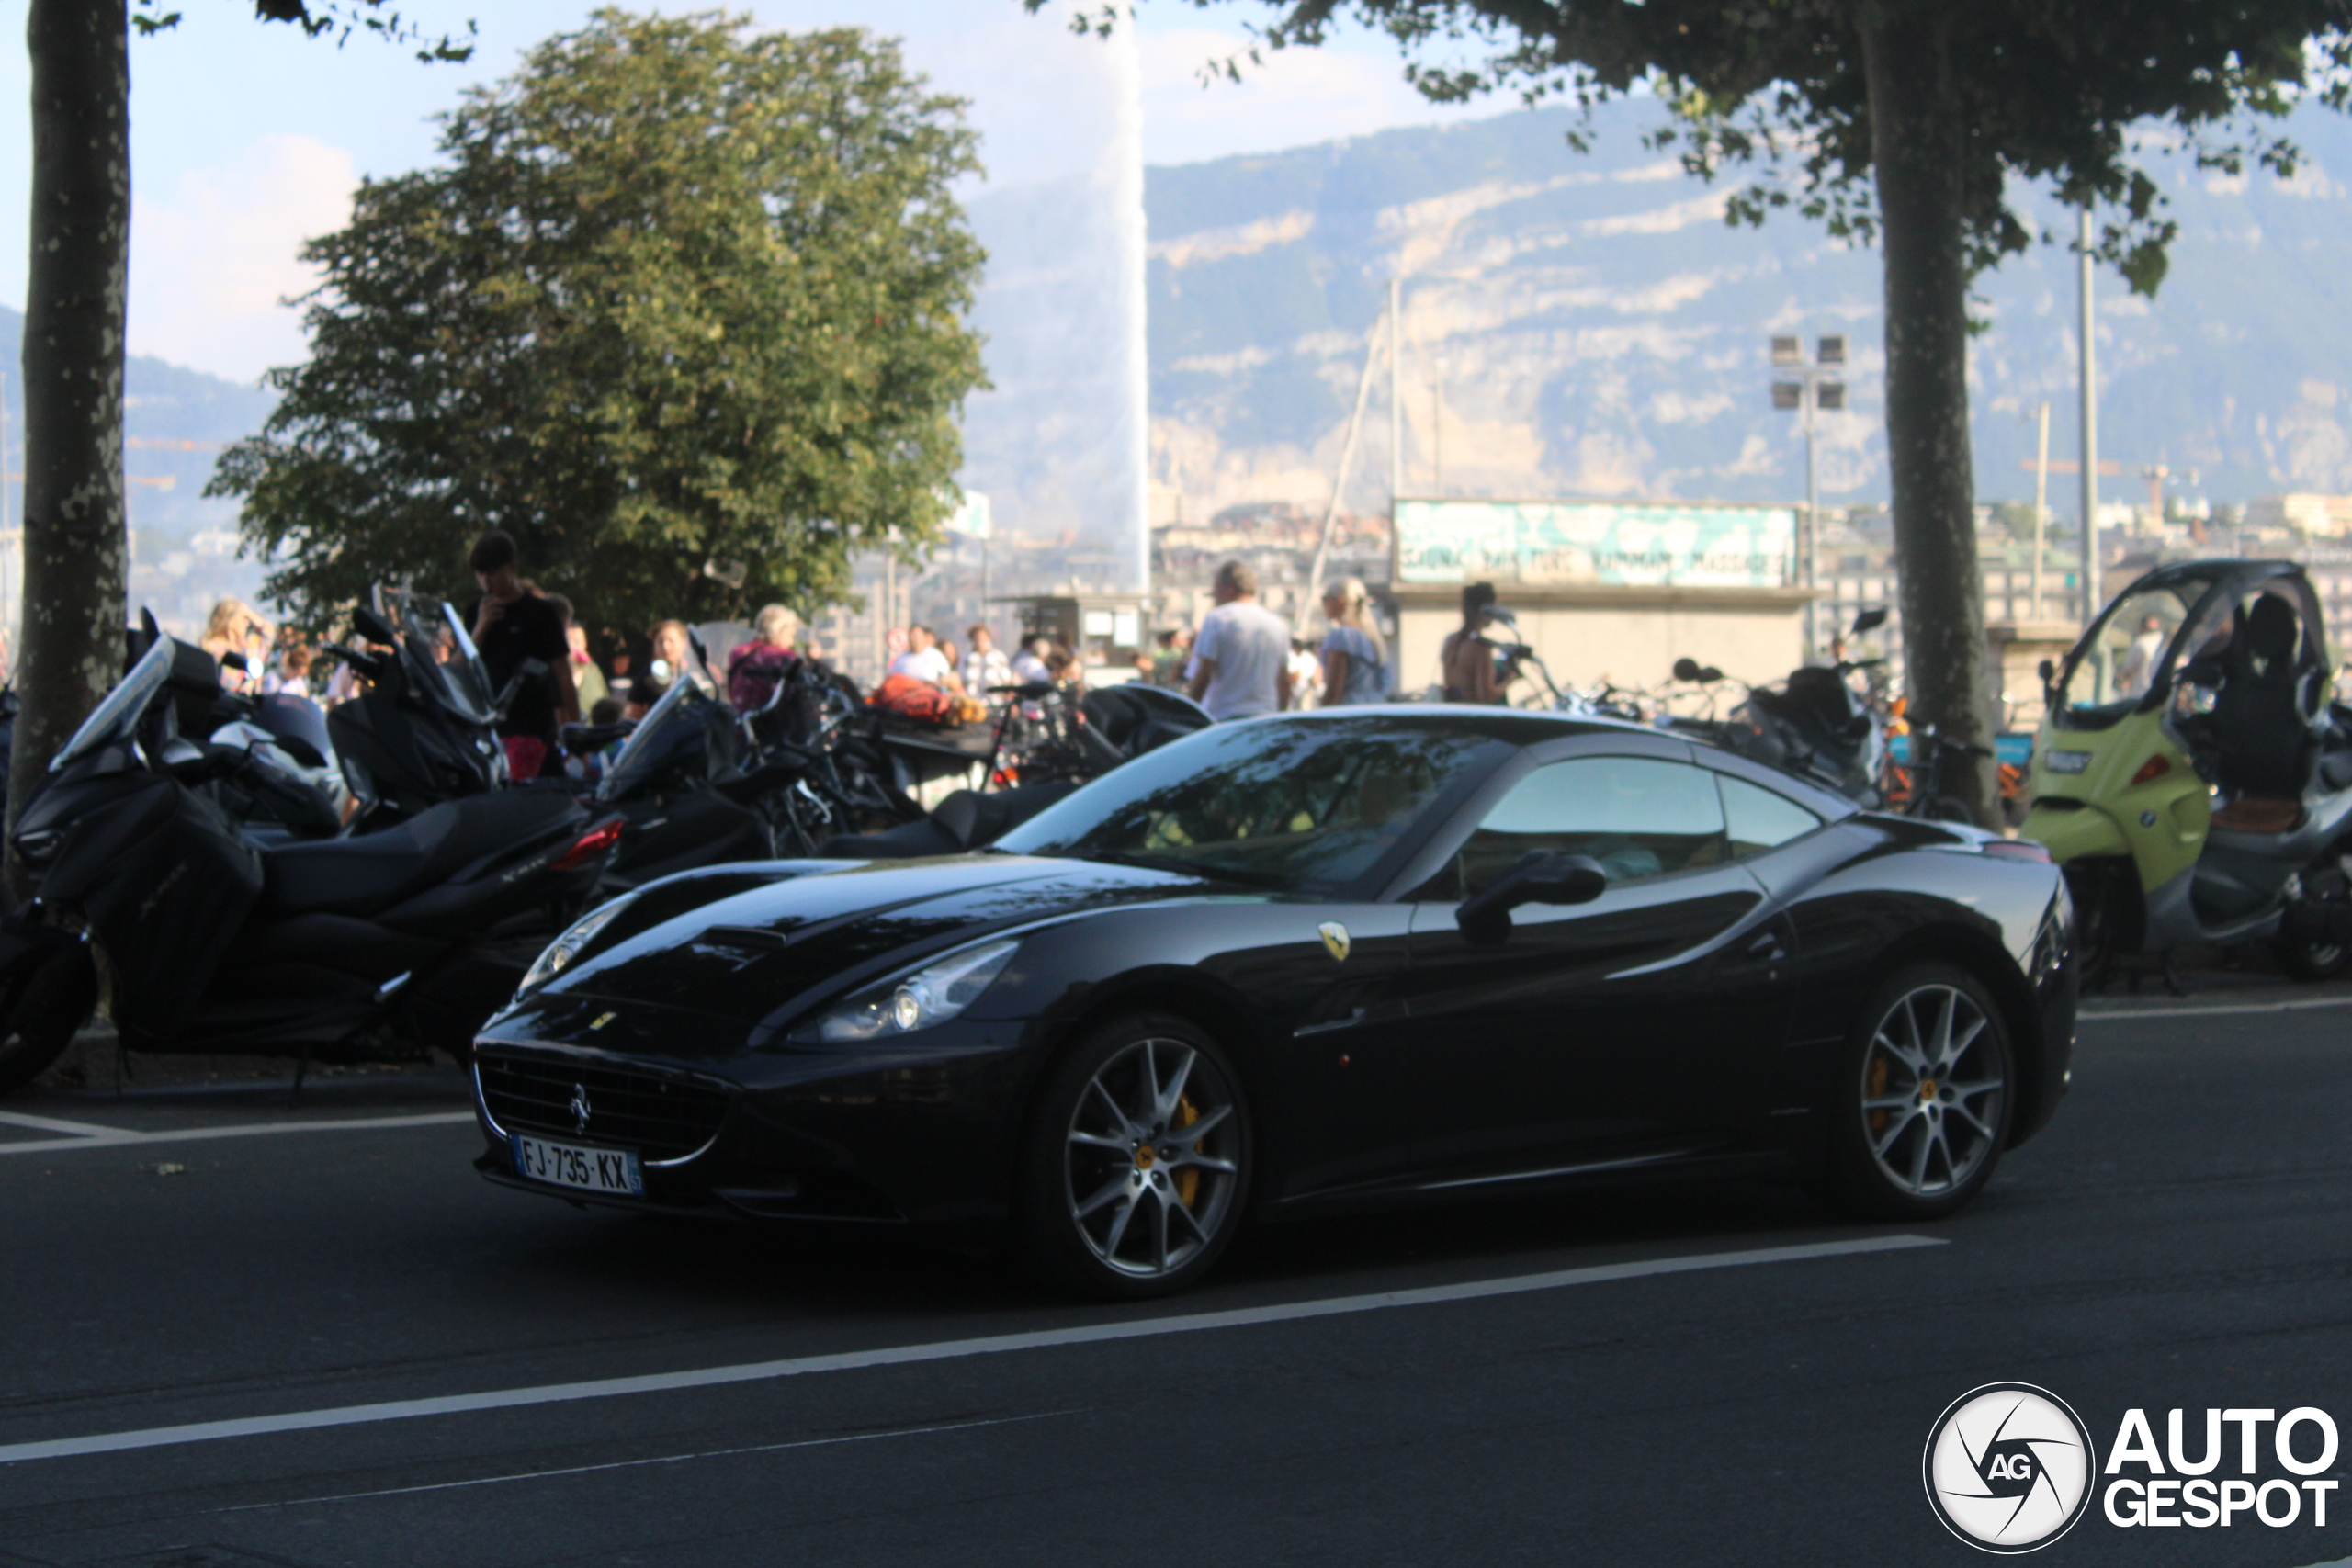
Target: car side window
[1759, 819]
[1639, 817]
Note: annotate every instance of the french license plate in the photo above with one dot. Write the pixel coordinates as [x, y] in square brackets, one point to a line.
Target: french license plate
[576, 1165]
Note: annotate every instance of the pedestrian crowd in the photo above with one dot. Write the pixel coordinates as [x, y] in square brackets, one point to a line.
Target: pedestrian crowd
[1241, 661]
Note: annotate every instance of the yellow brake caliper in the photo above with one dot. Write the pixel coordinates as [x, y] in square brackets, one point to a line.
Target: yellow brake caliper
[1188, 1180]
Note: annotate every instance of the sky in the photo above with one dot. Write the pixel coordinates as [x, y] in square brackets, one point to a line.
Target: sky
[247, 139]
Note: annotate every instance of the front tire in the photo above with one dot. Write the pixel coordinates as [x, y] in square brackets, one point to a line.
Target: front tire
[1137, 1163]
[1925, 1092]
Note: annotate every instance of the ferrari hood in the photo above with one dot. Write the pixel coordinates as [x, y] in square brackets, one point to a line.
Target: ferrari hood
[747, 954]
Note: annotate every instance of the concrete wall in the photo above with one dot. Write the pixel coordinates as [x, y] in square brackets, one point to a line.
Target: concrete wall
[1630, 636]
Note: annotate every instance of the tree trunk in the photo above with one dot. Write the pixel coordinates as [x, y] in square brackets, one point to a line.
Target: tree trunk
[69, 649]
[1917, 142]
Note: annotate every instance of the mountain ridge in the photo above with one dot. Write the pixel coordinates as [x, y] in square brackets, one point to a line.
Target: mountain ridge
[1587, 324]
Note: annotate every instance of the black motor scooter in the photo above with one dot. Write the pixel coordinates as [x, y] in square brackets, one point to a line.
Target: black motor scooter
[1813, 724]
[204, 942]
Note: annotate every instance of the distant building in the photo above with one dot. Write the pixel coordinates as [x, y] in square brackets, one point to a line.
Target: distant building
[2312, 515]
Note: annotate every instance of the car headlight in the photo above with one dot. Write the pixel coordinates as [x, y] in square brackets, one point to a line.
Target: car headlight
[932, 994]
[567, 947]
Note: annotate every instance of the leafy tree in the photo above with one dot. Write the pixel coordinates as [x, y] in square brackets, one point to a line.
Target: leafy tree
[69, 648]
[683, 311]
[1913, 122]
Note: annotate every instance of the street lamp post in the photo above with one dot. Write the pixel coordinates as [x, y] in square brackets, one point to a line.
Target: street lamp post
[1819, 385]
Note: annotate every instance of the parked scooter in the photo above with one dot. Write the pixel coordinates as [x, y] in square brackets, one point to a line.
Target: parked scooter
[2193, 775]
[202, 941]
[1078, 742]
[1814, 724]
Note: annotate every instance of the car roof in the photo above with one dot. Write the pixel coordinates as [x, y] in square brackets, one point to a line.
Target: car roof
[1521, 727]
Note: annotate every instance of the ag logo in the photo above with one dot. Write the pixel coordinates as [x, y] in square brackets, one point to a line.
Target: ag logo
[2009, 1467]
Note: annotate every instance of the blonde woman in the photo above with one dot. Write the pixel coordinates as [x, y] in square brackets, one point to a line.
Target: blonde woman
[234, 628]
[1355, 656]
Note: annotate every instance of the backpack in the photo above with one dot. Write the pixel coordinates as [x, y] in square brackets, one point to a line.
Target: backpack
[903, 696]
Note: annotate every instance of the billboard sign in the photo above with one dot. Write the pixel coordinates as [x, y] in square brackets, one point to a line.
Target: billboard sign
[1651, 543]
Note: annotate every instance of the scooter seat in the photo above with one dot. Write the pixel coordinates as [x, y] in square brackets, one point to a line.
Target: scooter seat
[2256, 814]
[365, 874]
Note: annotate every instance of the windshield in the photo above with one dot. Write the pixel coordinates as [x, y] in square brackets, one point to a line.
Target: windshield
[117, 718]
[1305, 805]
[2114, 667]
[679, 720]
[2132, 650]
[440, 654]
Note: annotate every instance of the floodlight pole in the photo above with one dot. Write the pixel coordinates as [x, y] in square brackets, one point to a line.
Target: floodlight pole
[1803, 389]
[1812, 561]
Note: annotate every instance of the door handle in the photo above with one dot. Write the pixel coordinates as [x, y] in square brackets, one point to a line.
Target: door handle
[1766, 947]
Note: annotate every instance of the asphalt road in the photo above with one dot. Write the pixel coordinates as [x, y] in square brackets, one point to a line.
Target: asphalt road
[1618, 1381]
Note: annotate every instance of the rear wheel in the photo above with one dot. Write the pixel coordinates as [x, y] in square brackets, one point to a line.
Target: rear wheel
[2312, 958]
[1925, 1095]
[44, 1010]
[1137, 1161]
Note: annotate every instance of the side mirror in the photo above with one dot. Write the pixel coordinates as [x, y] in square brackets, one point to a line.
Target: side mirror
[2049, 672]
[1709, 674]
[1868, 620]
[374, 628]
[1686, 669]
[1545, 877]
[184, 759]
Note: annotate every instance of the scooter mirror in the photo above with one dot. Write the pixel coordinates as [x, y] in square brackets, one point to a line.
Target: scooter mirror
[1709, 674]
[1869, 620]
[1686, 669]
[2049, 672]
[374, 628]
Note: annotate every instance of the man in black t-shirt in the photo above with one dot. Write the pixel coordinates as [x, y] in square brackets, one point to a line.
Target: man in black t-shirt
[510, 625]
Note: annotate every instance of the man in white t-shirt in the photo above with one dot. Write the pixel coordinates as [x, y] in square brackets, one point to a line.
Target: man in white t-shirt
[923, 661]
[1241, 655]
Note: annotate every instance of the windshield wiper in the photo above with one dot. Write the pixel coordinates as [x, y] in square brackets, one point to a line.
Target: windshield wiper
[1185, 868]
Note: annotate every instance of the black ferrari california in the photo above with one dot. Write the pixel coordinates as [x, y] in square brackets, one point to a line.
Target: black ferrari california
[1351, 957]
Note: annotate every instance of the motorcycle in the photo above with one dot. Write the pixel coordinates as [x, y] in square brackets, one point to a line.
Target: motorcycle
[1814, 724]
[1044, 747]
[2193, 774]
[202, 941]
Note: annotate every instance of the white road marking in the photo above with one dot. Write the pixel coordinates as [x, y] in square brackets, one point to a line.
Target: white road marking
[951, 1349]
[120, 1137]
[51, 1124]
[2215, 1011]
[635, 1463]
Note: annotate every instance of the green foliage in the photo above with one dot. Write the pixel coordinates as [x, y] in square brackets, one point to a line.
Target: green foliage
[341, 17]
[2066, 93]
[683, 297]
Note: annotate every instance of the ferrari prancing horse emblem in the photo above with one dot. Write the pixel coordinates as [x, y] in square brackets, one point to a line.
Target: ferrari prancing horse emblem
[1335, 937]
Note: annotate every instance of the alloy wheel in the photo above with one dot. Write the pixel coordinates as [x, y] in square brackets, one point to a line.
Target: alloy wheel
[1152, 1158]
[1933, 1078]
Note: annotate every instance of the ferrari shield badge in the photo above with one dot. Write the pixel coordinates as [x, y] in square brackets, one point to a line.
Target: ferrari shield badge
[1335, 937]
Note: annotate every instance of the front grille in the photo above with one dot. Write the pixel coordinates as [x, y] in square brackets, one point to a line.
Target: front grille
[659, 1116]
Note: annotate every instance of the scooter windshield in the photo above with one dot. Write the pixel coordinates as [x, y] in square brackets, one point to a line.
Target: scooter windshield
[441, 656]
[117, 718]
[2123, 659]
[679, 719]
